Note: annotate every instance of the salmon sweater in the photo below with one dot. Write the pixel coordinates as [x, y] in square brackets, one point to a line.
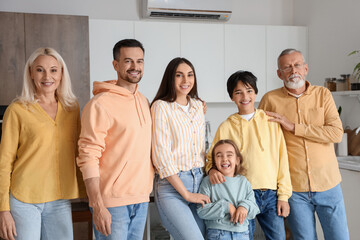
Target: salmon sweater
[115, 144]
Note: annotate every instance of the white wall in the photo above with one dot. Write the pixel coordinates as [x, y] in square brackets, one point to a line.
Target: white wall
[333, 33]
[259, 12]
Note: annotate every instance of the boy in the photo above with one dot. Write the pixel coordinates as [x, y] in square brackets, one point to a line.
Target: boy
[263, 147]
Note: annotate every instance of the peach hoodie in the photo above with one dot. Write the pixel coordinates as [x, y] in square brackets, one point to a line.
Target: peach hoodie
[115, 144]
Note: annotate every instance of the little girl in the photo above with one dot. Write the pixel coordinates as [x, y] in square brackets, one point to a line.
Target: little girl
[232, 202]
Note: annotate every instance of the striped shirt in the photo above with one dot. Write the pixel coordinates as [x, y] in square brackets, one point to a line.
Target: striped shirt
[178, 137]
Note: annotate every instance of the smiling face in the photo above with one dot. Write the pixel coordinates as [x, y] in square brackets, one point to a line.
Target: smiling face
[244, 97]
[184, 80]
[46, 73]
[129, 66]
[226, 159]
[293, 70]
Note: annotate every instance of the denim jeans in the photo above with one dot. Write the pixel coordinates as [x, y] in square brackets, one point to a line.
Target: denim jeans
[127, 222]
[271, 224]
[330, 208]
[217, 234]
[45, 221]
[177, 215]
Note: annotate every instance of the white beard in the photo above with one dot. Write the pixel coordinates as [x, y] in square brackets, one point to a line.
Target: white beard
[295, 81]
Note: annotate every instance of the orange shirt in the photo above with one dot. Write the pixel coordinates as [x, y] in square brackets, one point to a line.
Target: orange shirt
[310, 149]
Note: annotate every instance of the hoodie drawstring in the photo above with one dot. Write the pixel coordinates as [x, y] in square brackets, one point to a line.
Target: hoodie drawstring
[258, 134]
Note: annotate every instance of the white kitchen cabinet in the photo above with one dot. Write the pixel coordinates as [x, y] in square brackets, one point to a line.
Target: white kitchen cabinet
[203, 45]
[161, 41]
[103, 35]
[278, 39]
[245, 50]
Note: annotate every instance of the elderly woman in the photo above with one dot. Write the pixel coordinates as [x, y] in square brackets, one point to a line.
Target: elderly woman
[38, 174]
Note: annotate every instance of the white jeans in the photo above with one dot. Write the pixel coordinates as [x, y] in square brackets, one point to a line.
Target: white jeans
[45, 221]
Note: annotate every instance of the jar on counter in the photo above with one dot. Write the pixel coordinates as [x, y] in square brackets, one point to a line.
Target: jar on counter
[330, 83]
[341, 84]
[346, 77]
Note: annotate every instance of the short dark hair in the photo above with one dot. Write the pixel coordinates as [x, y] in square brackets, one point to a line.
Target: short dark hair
[167, 91]
[247, 78]
[126, 43]
[240, 169]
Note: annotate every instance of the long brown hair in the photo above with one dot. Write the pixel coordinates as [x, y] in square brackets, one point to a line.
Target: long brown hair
[167, 91]
[239, 169]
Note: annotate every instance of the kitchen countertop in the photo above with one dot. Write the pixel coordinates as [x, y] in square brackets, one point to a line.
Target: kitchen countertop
[349, 162]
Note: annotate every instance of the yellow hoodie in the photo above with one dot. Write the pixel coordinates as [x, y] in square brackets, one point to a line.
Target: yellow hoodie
[115, 144]
[263, 148]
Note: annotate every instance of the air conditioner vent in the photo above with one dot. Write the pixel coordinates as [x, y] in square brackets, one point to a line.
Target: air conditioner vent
[217, 10]
[184, 15]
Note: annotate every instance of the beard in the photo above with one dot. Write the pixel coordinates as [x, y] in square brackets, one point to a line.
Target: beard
[128, 78]
[295, 81]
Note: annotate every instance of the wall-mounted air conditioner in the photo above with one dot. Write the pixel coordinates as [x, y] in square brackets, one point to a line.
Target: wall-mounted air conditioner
[190, 9]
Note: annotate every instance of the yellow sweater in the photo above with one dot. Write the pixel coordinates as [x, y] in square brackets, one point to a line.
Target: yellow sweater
[37, 155]
[263, 148]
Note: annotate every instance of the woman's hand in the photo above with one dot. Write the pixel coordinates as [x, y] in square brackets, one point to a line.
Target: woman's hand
[7, 226]
[240, 215]
[216, 177]
[197, 198]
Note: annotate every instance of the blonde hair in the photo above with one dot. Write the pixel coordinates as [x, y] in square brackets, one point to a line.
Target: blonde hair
[63, 93]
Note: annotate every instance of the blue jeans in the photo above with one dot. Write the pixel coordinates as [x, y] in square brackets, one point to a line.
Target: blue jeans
[271, 224]
[177, 215]
[50, 220]
[127, 222]
[217, 234]
[330, 208]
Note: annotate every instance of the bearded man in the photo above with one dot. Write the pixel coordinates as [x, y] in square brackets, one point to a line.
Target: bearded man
[311, 126]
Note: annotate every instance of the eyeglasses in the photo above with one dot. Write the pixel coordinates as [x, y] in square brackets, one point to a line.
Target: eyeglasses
[297, 66]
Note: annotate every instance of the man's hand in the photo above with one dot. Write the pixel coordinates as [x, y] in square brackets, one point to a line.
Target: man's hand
[283, 208]
[7, 226]
[102, 220]
[240, 215]
[284, 122]
[216, 177]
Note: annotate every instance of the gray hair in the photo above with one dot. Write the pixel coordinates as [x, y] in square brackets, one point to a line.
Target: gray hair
[286, 52]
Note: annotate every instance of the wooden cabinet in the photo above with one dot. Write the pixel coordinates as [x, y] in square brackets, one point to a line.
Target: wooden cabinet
[12, 60]
[278, 38]
[23, 33]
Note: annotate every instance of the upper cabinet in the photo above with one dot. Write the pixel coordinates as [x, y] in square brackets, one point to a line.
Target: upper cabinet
[162, 43]
[278, 39]
[245, 50]
[203, 45]
[103, 35]
[216, 51]
[22, 33]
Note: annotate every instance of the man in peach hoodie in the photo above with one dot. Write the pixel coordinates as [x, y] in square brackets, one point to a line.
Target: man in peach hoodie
[114, 148]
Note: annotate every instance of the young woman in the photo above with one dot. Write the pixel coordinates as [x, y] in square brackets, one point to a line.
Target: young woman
[178, 150]
[37, 153]
[232, 202]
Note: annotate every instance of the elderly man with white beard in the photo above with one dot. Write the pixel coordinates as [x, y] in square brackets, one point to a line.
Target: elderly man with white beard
[311, 126]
